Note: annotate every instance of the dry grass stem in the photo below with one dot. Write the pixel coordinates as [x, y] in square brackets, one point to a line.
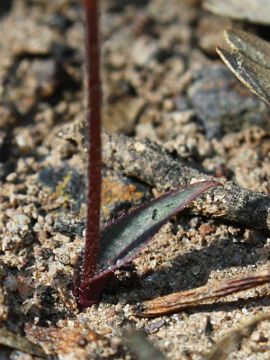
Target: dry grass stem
[201, 295]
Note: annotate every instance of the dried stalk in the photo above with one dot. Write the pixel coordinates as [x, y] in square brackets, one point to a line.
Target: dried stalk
[201, 295]
[150, 163]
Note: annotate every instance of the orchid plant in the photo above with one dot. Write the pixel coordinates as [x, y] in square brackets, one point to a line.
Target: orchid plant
[121, 240]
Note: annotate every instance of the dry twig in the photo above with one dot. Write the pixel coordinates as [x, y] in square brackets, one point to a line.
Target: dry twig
[152, 164]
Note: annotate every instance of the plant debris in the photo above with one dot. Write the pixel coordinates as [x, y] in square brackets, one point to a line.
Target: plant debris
[250, 45]
[185, 299]
[122, 239]
[248, 59]
[153, 54]
[152, 164]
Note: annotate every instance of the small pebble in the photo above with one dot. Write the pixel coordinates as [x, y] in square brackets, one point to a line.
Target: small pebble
[11, 177]
[10, 283]
[2, 271]
[18, 224]
[153, 327]
[196, 269]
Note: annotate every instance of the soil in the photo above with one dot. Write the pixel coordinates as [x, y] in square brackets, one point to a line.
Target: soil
[164, 81]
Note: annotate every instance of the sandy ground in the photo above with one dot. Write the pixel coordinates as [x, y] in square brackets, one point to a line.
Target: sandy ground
[164, 81]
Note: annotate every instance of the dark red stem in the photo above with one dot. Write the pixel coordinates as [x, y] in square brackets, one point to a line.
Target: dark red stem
[91, 248]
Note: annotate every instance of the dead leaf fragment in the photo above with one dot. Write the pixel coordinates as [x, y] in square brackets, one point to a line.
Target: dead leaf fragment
[201, 295]
[248, 57]
[254, 76]
[250, 45]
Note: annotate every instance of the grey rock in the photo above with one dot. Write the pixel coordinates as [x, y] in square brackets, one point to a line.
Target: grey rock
[222, 104]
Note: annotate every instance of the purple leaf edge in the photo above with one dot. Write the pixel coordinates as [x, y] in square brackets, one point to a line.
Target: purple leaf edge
[97, 282]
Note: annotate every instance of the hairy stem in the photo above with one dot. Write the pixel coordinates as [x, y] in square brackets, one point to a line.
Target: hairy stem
[91, 248]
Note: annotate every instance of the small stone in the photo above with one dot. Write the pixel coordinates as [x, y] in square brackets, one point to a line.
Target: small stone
[153, 327]
[49, 219]
[42, 235]
[121, 115]
[19, 224]
[257, 12]
[41, 220]
[118, 60]
[218, 100]
[182, 117]
[24, 141]
[143, 51]
[11, 177]
[25, 286]
[19, 355]
[2, 271]
[206, 229]
[168, 105]
[196, 270]
[194, 222]
[10, 283]
[210, 33]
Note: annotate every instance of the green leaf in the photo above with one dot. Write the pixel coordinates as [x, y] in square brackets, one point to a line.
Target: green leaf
[124, 238]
